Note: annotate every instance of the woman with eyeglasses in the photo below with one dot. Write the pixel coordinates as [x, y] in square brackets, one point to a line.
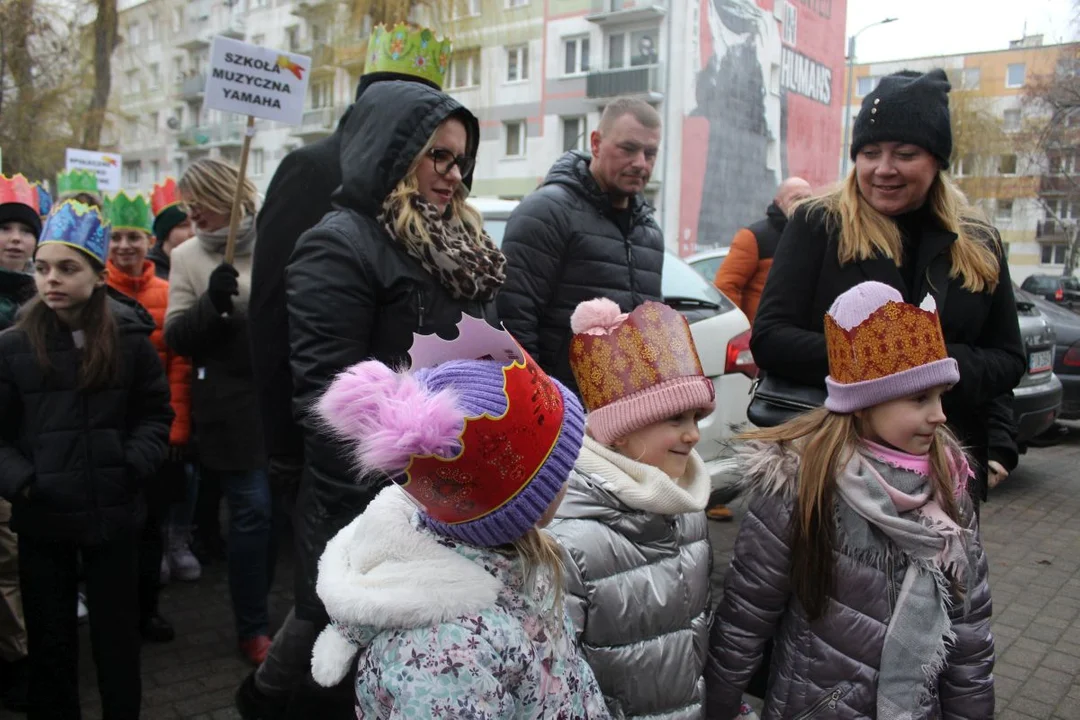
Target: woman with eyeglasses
[207, 321]
[403, 254]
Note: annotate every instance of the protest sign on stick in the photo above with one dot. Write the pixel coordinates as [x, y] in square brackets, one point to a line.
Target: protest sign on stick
[260, 83]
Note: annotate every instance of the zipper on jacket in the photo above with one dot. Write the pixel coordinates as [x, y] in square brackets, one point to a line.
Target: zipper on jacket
[630, 266]
[830, 701]
[890, 571]
[420, 308]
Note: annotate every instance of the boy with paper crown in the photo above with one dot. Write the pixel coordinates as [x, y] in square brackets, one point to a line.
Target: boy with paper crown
[81, 185]
[171, 226]
[859, 556]
[445, 586]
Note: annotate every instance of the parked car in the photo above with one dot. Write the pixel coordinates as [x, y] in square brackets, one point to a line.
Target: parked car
[1066, 325]
[1061, 289]
[707, 262]
[721, 333]
[1037, 399]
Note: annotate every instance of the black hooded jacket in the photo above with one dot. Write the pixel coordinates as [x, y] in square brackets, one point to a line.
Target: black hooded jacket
[564, 244]
[73, 462]
[354, 294]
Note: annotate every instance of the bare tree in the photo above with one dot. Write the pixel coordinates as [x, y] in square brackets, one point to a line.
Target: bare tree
[105, 29]
[979, 141]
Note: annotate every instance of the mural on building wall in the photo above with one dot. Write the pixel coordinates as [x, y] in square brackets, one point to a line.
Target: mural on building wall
[768, 105]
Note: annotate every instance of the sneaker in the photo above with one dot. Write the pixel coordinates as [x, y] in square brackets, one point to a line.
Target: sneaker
[181, 561]
[82, 612]
[164, 574]
[255, 649]
[157, 629]
[253, 704]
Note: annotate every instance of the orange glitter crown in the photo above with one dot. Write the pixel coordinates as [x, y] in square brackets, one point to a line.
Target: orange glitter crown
[651, 346]
[893, 338]
[164, 195]
[18, 189]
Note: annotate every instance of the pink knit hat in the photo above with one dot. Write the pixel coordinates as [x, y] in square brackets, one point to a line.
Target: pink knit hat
[635, 369]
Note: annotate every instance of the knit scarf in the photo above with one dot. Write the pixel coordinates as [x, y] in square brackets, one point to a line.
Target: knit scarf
[643, 487]
[895, 499]
[214, 242]
[469, 270]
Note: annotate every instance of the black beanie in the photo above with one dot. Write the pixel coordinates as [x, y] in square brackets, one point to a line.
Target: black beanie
[166, 220]
[25, 214]
[907, 107]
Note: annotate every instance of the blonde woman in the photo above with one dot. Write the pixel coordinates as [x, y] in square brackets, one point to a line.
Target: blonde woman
[404, 253]
[899, 219]
[207, 321]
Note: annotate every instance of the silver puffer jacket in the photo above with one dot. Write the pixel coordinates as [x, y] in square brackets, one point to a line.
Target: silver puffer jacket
[828, 668]
[638, 592]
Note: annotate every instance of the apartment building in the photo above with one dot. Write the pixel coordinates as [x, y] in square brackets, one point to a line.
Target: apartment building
[1019, 188]
[749, 90]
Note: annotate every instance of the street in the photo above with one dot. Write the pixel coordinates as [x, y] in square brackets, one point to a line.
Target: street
[1031, 530]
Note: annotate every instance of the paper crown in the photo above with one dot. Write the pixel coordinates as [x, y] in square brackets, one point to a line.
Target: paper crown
[165, 195]
[406, 49]
[79, 226]
[648, 347]
[45, 201]
[126, 212]
[69, 182]
[18, 190]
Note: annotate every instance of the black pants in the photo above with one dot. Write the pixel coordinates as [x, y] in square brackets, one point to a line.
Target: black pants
[151, 550]
[48, 573]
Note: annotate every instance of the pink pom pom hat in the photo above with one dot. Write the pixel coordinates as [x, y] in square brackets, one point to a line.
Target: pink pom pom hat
[635, 369]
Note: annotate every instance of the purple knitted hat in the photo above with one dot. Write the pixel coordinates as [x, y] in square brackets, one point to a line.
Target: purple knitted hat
[881, 348]
[483, 448]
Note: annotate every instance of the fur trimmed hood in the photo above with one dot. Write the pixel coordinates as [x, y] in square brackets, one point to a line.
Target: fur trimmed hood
[382, 572]
[768, 468]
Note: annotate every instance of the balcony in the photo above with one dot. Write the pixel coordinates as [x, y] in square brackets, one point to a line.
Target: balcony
[318, 123]
[318, 9]
[1048, 230]
[192, 88]
[643, 81]
[322, 57]
[611, 12]
[229, 134]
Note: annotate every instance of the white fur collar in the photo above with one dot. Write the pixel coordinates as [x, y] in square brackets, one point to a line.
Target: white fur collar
[380, 572]
[769, 468]
[644, 487]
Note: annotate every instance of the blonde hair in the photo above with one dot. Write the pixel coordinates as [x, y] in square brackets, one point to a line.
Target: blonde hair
[409, 223]
[540, 553]
[825, 441]
[211, 184]
[865, 232]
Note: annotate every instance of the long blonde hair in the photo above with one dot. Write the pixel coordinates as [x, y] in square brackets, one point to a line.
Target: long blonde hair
[825, 442]
[865, 232]
[541, 554]
[211, 184]
[409, 223]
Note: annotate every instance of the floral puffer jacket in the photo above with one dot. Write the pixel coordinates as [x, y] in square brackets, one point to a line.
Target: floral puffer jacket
[443, 629]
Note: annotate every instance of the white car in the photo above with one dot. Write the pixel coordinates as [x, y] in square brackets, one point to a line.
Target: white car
[721, 333]
[707, 262]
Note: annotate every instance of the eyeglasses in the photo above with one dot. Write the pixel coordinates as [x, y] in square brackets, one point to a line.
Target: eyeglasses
[444, 161]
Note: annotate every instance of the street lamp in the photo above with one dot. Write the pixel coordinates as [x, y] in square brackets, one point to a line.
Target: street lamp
[847, 97]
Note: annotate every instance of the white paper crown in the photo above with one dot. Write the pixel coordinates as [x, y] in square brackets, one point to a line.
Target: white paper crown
[476, 340]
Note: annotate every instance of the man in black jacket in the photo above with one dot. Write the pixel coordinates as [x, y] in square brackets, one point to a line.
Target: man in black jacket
[587, 232]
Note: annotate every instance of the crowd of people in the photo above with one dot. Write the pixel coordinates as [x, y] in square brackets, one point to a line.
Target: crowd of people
[487, 454]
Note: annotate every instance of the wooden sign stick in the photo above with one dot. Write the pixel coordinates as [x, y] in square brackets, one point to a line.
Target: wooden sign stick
[234, 216]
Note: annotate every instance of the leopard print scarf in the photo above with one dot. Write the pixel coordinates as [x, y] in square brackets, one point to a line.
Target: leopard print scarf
[468, 270]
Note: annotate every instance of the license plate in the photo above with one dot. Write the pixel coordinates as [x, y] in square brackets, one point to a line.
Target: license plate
[1040, 361]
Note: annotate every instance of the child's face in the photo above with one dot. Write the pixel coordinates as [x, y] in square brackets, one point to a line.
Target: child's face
[128, 249]
[64, 277]
[16, 244]
[665, 444]
[907, 424]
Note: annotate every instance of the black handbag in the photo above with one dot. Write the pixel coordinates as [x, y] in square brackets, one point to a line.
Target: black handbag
[775, 400]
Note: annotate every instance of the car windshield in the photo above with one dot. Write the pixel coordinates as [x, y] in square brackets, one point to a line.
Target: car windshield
[707, 267]
[1039, 284]
[1070, 283]
[679, 280]
[496, 228]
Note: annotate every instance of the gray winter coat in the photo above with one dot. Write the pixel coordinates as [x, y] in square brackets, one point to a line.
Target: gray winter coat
[828, 668]
[638, 592]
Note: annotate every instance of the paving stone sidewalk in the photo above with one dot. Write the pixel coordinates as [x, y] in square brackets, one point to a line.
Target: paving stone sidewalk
[1031, 529]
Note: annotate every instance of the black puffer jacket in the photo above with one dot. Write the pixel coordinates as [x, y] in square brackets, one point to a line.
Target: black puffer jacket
[81, 457]
[563, 246]
[353, 294]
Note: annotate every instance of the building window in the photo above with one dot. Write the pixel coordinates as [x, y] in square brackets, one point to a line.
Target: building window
[633, 49]
[134, 35]
[177, 19]
[517, 63]
[516, 3]
[464, 70]
[865, 85]
[322, 94]
[155, 123]
[1004, 212]
[178, 70]
[258, 162]
[155, 170]
[1007, 165]
[131, 174]
[178, 167]
[515, 138]
[1011, 120]
[466, 8]
[971, 78]
[259, 40]
[155, 76]
[152, 29]
[318, 36]
[577, 56]
[1014, 75]
[256, 4]
[964, 166]
[574, 133]
[292, 38]
[1053, 253]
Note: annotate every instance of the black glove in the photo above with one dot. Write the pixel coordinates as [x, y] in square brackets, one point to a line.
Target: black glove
[223, 285]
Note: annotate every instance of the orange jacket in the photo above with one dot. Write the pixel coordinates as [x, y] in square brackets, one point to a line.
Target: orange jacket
[741, 277]
[152, 293]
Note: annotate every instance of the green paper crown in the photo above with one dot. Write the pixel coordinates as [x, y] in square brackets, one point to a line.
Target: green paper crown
[408, 50]
[69, 182]
[126, 212]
